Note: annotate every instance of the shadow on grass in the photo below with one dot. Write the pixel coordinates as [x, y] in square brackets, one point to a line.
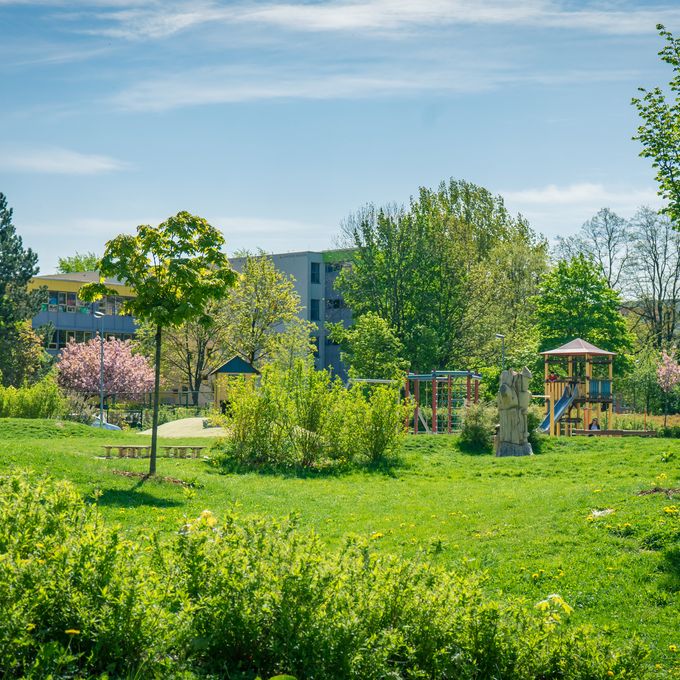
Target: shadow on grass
[387, 468]
[134, 499]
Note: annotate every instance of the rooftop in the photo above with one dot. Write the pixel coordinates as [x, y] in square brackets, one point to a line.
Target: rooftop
[78, 277]
[578, 347]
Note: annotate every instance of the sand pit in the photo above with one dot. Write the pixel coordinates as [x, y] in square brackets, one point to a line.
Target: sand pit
[187, 427]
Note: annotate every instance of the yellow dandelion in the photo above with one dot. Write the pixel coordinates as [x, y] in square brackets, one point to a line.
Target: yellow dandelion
[376, 535]
[671, 510]
[610, 674]
[72, 631]
[672, 648]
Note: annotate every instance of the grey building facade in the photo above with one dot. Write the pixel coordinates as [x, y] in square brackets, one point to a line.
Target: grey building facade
[314, 274]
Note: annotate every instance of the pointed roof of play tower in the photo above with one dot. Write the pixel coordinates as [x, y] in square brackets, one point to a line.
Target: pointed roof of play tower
[578, 347]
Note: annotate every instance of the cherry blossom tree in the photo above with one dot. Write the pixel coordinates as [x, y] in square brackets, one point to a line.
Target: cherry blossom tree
[668, 377]
[125, 373]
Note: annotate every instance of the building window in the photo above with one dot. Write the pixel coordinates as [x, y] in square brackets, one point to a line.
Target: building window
[316, 272]
[315, 310]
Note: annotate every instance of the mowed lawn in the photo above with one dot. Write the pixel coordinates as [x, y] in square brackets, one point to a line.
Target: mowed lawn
[526, 523]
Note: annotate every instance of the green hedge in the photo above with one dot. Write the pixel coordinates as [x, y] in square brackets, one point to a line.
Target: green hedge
[243, 598]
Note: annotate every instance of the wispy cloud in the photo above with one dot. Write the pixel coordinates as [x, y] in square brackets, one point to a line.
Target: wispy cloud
[556, 210]
[58, 161]
[229, 85]
[213, 86]
[159, 20]
[588, 193]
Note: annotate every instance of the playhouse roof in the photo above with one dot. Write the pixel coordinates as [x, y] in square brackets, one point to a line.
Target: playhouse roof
[236, 366]
[578, 347]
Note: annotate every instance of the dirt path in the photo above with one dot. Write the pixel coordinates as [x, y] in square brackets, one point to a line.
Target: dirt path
[187, 427]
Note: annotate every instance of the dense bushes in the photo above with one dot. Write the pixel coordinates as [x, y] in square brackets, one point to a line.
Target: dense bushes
[241, 598]
[303, 418]
[478, 426]
[41, 400]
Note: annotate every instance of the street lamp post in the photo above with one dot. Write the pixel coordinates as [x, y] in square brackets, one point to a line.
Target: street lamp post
[100, 315]
[501, 337]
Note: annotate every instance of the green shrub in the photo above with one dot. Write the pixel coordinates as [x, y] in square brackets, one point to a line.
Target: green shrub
[41, 400]
[535, 416]
[72, 593]
[478, 427]
[246, 598]
[303, 418]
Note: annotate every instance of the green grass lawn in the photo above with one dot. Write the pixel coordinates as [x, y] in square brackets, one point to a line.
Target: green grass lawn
[526, 522]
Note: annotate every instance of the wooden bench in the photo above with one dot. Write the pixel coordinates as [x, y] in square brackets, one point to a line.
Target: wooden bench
[614, 433]
[144, 451]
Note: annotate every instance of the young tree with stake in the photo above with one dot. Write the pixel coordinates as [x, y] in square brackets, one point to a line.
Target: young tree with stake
[175, 269]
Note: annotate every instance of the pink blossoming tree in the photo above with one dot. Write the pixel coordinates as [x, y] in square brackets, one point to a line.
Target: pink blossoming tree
[668, 378]
[125, 373]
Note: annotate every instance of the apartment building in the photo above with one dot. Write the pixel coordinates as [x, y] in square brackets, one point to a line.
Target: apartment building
[313, 274]
[72, 318]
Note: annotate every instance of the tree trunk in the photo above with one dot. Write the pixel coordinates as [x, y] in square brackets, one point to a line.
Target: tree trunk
[665, 410]
[156, 403]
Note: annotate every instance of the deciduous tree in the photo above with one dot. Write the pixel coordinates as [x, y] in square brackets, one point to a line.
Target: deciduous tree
[659, 131]
[654, 286]
[370, 347]
[256, 311]
[605, 238]
[80, 262]
[175, 269]
[412, 266]
[668, 376]
[125, 374]
[574, 301]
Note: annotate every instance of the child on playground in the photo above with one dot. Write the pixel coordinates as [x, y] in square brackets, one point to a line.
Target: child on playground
[594, 424]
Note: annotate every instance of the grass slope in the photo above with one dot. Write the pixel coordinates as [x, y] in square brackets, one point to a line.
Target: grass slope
[527, 522]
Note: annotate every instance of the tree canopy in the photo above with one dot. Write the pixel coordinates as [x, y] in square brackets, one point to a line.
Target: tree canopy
[574, 301]
[126, 375]
[418, 267]
[659, 131]
[80, 262]
[370, 347]
[175, 269]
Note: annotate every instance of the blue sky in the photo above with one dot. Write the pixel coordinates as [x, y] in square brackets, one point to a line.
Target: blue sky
[276, 119]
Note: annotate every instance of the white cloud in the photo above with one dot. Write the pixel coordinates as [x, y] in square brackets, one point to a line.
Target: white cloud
[55, 160]
[584, 193]
[160, 20]
[561, 210]
[220, 85]
[231, 85]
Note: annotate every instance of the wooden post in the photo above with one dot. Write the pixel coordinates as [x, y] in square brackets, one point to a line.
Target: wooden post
[407, 389]
[416, 393]
[476, 390]
[553, 429]
[448, 385]
[434, 402]
[469, 391]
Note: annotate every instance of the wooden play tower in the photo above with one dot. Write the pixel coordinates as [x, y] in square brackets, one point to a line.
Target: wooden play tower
[578, 386]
